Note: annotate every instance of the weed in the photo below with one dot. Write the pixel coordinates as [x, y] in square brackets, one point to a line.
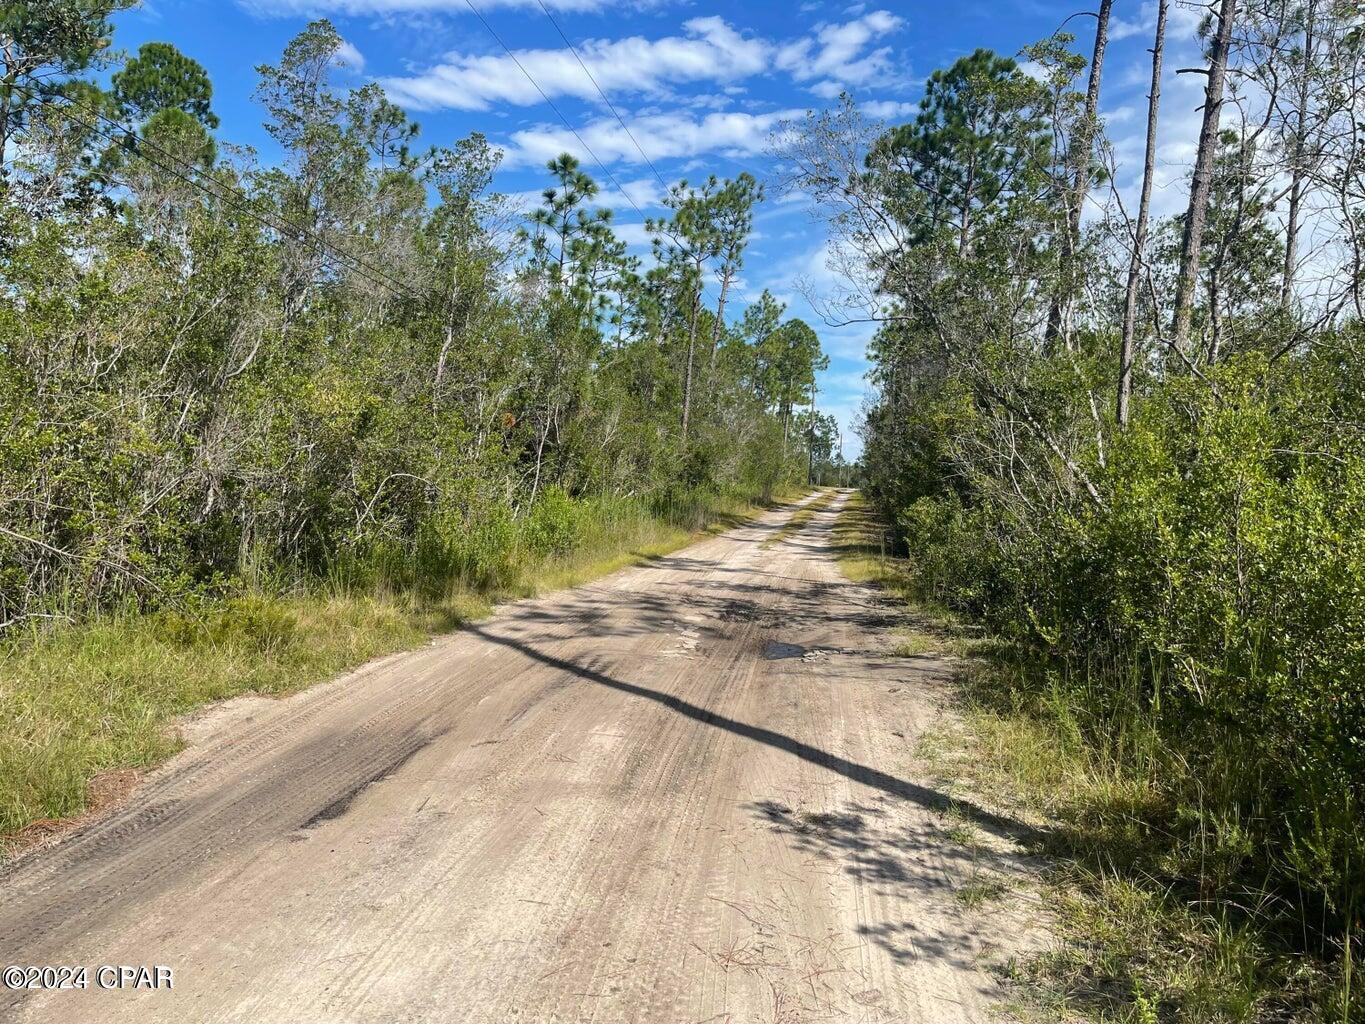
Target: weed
[979, 890]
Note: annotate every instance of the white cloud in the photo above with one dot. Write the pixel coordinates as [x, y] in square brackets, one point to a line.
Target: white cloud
[1120, 29]
[837, 57]
[1181, 19]
[634, 235]
[708, 50]
[827, 89]
[888, 110]
[347, 56]
[663, 136]
[1123, 114]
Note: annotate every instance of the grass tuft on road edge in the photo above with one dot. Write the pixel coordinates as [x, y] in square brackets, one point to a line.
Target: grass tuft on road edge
[1134, 948]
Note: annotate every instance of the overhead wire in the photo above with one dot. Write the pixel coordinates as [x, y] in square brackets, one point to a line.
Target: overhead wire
[605, 99]
[551, 103]
[567, 124]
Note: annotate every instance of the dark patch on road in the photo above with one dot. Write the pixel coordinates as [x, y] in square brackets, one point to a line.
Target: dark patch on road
[342, 804]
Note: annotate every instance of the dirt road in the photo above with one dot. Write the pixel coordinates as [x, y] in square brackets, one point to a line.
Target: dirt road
[684, 793]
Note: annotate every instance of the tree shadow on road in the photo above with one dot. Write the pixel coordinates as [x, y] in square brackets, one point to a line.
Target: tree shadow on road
[999, 825]
[919, 857]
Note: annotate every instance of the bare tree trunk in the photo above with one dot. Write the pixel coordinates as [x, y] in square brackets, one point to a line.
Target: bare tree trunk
[786, 416]
[441, 360]
[720, 320]
[1296, 169]
[810, 442]
[1215, 311]
[540, 459]
[8, 59]
[965, 227]
[1080, 169]
[687, 376]
[4, 129]
[1202, 181]
[1144, 212]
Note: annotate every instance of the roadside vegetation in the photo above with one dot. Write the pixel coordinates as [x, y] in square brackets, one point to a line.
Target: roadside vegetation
[1124, 453]
[102, 695]
[1149, 928]
[259, 423]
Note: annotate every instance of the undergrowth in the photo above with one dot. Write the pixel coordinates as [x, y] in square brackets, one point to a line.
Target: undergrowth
[1159, 918]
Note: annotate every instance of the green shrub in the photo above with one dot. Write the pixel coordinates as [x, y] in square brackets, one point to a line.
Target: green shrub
[552, 525]
[1214, 603]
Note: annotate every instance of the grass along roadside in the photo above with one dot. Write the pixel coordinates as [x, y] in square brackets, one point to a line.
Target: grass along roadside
[1144, 938]
[85, 707]
[864, 547]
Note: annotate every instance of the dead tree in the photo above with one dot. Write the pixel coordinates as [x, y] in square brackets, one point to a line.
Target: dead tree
[1080, 169]
[1202, 180]
[1143, 214]
[1298, 154]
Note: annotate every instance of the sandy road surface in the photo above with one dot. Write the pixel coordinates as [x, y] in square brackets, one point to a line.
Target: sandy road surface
[684, 793]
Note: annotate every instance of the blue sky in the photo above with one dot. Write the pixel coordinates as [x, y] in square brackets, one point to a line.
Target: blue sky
[700, 84]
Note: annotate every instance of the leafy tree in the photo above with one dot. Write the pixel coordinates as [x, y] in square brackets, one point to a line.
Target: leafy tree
[347, 169]
[733, 217]
[1166, 569]
[168, 95]
[161, 78]
[761, 319]
[683, 245]
[975, 141]
[42, 43]
[360, 368]
[564, 225]
[791, 356]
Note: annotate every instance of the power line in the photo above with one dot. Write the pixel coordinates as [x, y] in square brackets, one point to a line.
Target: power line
[128, 141]
[605, 99]
[583, 142]
[610, 106]
[558, 112]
